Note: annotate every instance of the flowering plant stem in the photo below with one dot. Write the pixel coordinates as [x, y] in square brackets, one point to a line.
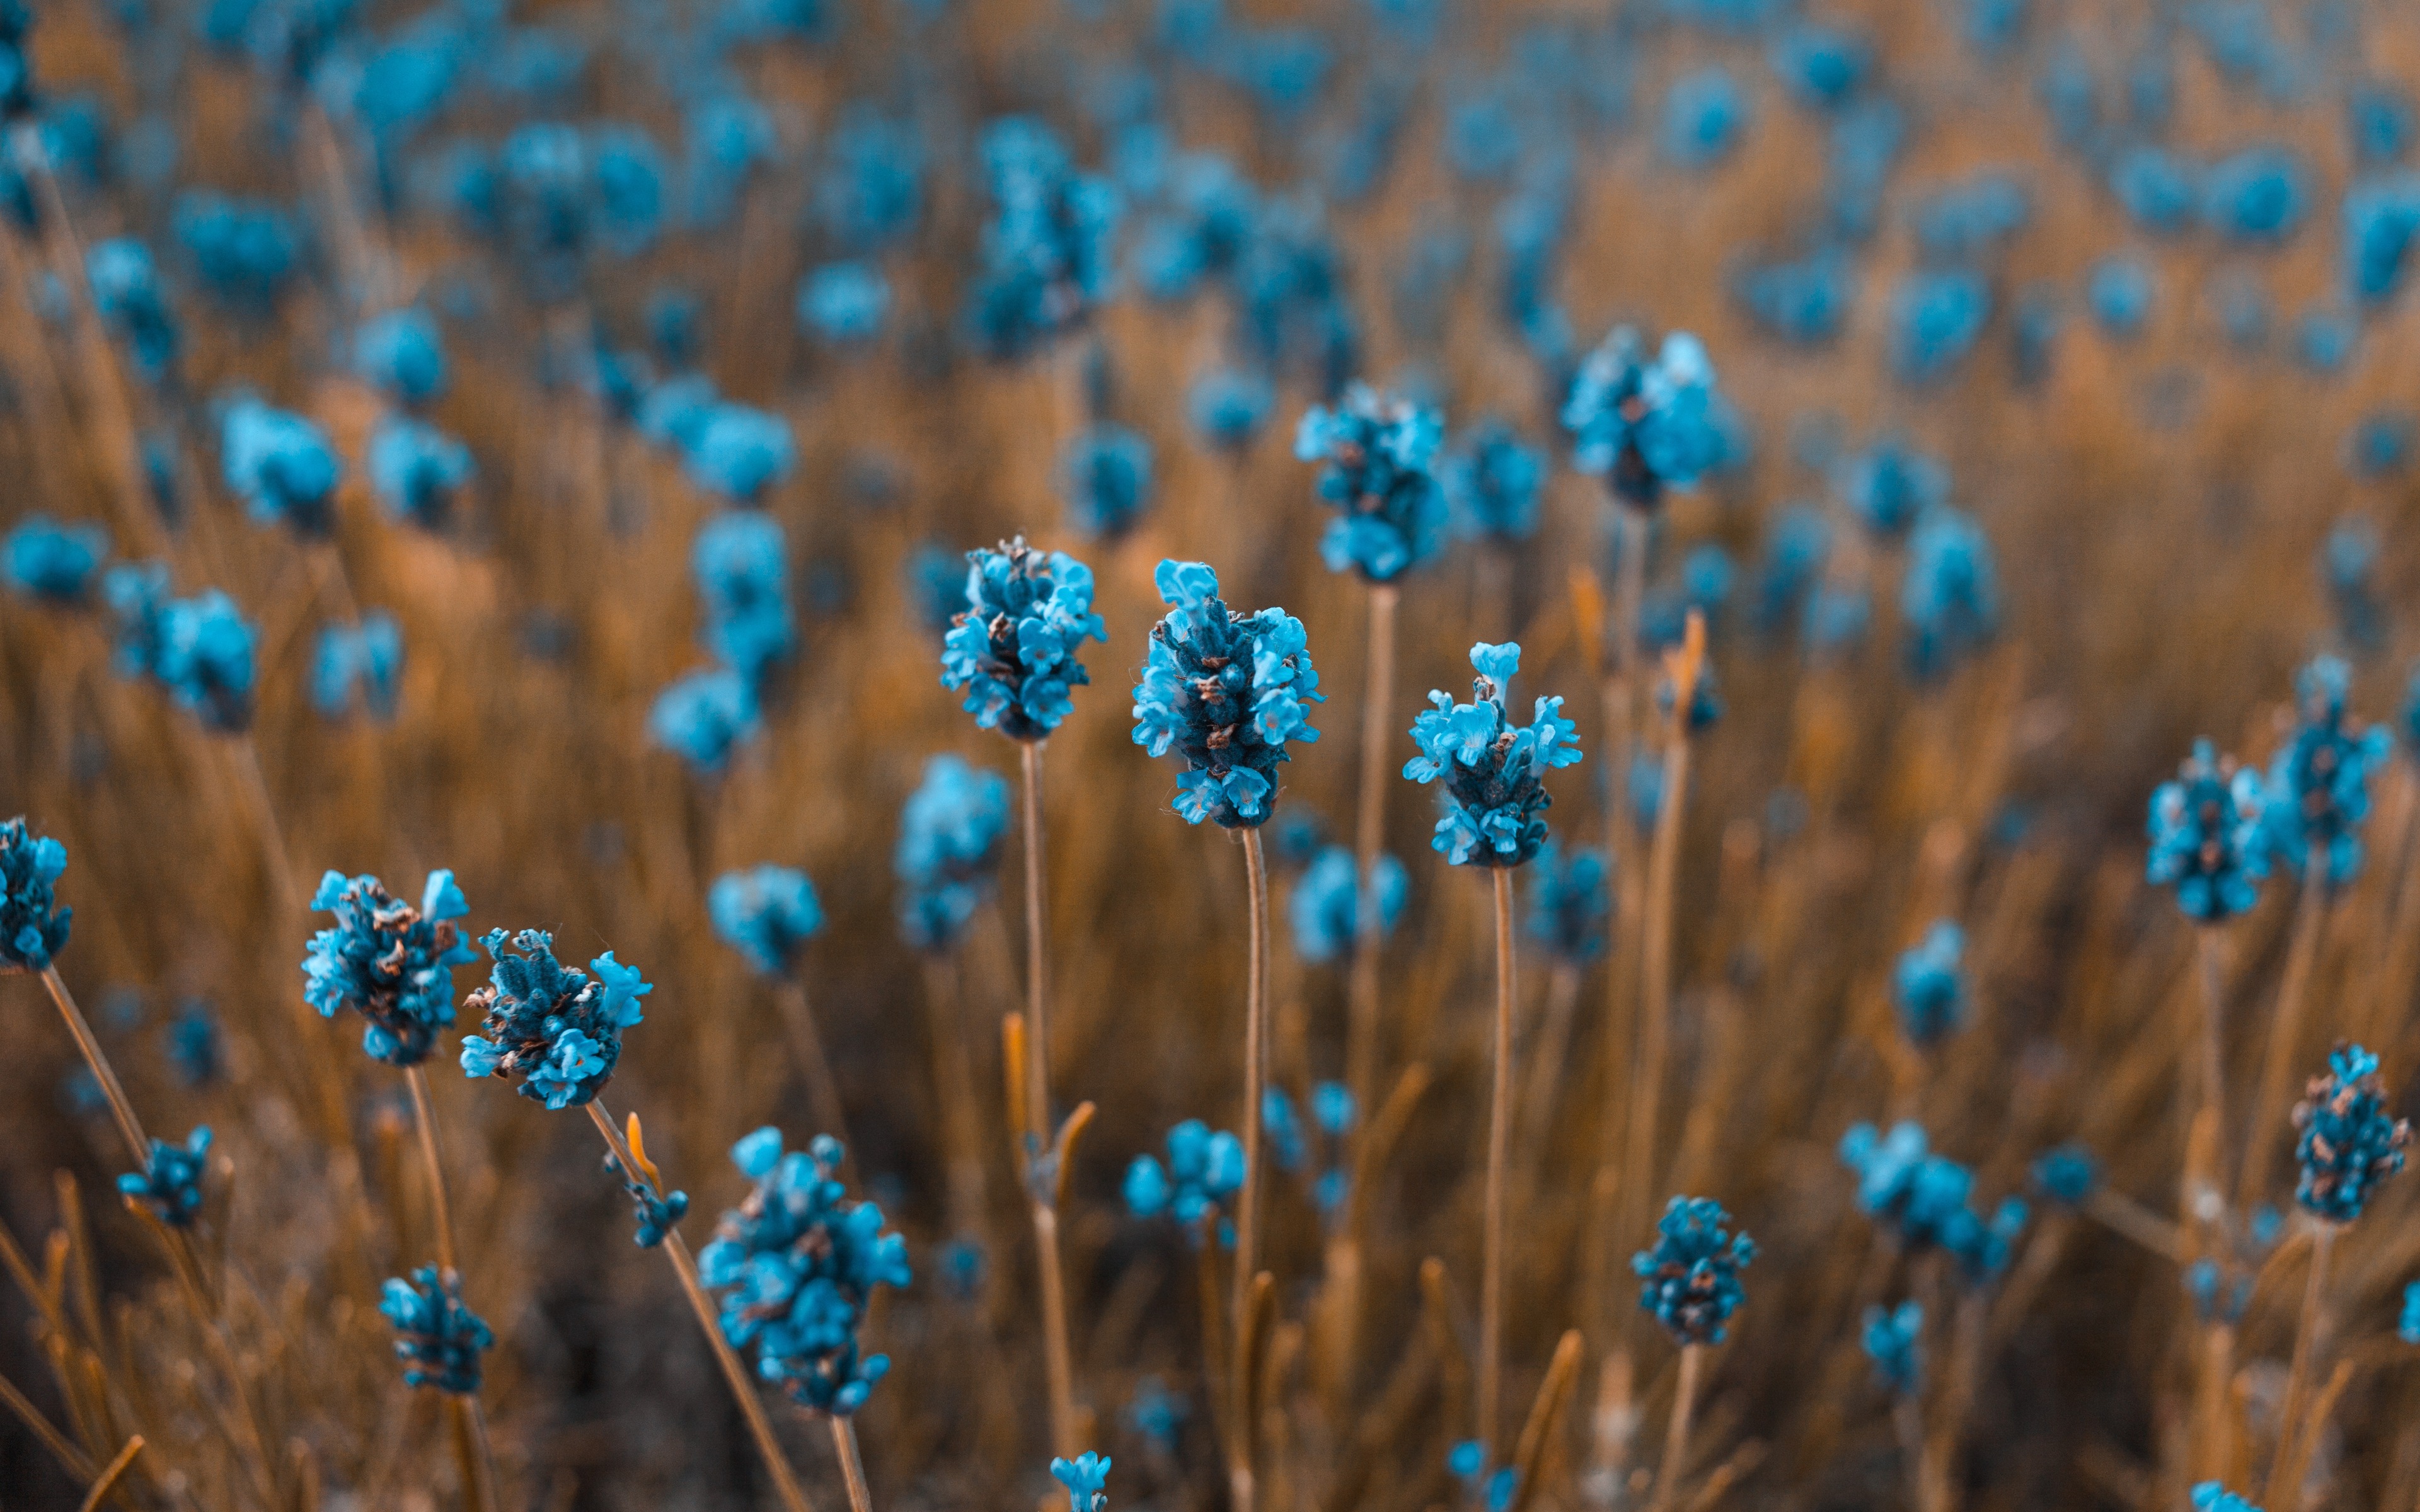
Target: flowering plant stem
[471, 1453]
[1369, 834]
[2208, 948]
[752, 1405]
[120, 1109]
[2289, 1410]
[1500, 1139]
[2284, 1028]
[1655, 977]
[1241, 1473]
[1676, 1432]
[1041, 1187]
[807, 1048]
[852, 1466]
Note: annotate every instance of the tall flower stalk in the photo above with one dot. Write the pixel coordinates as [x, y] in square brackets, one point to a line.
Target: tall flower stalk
[1690, 1283]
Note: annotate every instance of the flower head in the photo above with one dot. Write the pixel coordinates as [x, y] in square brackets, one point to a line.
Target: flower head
[127, 297]
[845, 302]
[1105, 478]
[1046, 252]
[281, 466]
[1378, 452]
[1012, 649]
[548, 1025]
[402, 353]
[2349, 1143]
[1495, 770]
[1924, 1199]
[33, 928]
[766, 914]
[438, 1338]
[389, 961]
[1951, 594]
[1204, 1168]
[1894, 1340]
[2318, 792]
[1645, 425]
[657, 1212]
[704, 717]
[1890, 485]
[1084, 1476]
[199, 648]
[1690, 1279]
[795, 1266]
[741, 567]
[949, 837]
[2067, 1174]
[2407, 1327]
[2210, 1496]
[1492, 480]
[416, 471]
[1571, 901]
[1929, 985]
[1324, 907]
[170, 1184]
[357, 664]
[1227, 691]
[2206, 837]
[738, 453]
[1228, 406]
[52, 563]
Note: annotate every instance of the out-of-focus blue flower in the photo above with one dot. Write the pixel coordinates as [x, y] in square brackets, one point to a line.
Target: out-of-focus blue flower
[402, 354]
[1377, 452]
[417, 470]
[2157, 189]
[738, 453]
[1951, 595]
[1803, 300]
[1204, 1169]
[2034, 333]
[1969, 220]
[2381, 217]
[280, 464]
[2259, 195]
[729, 136]
[1283, 1128]
[196, 1046]
[1495, 769]
[1489, 1490]
[2408, 1328]
[1929, 985]
[1704, 115]
[1324, 907]
[244, 250]
[1481, 137]
[2067, 1174]
[935, 581]
[1228, 692]
[171, 1185]
[2348, 567]
[1935, 318]
[1923, 1199]
[127, 294]
[1571, 901]
[1228, 406]
[1894, 1340]
[949, 838]
[1890, 485]
[2325, 340]
[1645, 425]
[1691, 1276]
[796, 1266]
[1045, 253]
[2207, 838]
[703, 716]
[1013, 647]
[1864, 146]
[1105, 478]
[1821, 66]
[389, 961]
[676, 411]
[869, 191]
[628, 185]
[742, 572]
[1796, 547]
[2379, 121]
[136, 593]
[548, 1025]
[1085, 1477]
[33, 929]
[200, 649]
[2380, 445]
[1284, 69]
[1492, 480]
[54, 564]
[2348, 1141]
[357, 665]
[845, 302]
[1156, 1413]
[2317, 792]
[766, 913]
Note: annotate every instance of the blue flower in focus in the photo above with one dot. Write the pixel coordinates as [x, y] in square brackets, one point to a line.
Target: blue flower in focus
[2067, 1174]
[704, 717]
[2317, 792]
[1012, 649]
[1228, 692]
[655, 1212]
[766, 914]
[1929, 985]
[2207, 836]
[1323, 908]
[244, 250]
[1571, 901]
[2210, 1496]
[1704, 115]
[1228, 406]
[402, 353]
[2348, 1142]
[389, 961]
[438, 1338]
[1492, 480]
[1893, 1340]
[127, 294]
[548, 1025]
[742, 572]
[1495, 769]
[1085, 1477]
[1690, 1279]
[1204, 1168]
[280, 464]
[33, 928]
[357, 665]
[1952, 595]
[1935, 318]
[416, 471]
[795, 1268]
[171, 1185]
[52, 563]
[1104, 477]
[949, 837]
[1376, 453]
[1890, 485]
[1645, 425]
[738, 453]
[845, 302]
[1045, 253]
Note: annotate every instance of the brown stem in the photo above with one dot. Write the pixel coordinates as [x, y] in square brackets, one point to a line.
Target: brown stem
[1655, 979]
[1676, 1433]
[1500, 1141]
[1058, 1357]
[2290, 1411]
[472, 1457]
[1369, 833]
[424, 1115]
[2277, 1066]
[2208, 948]
[1256, 1054]
[852, 1466]
[807, 1048]
[1041, 1182]
[120, 1107]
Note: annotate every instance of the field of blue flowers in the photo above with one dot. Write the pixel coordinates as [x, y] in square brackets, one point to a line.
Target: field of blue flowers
[1209, 755]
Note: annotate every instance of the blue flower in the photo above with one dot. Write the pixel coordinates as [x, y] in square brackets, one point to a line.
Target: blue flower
[1691, 1276]
[1804, 299]
[402, 353]
[1045, 253]
[949, 838]
[1323, 906]
[389, 961]
[1492, 480]
[703, 716]
[244, 250]
[1013, 647]
[2120, 292]
[1228, 406]
[1935, 316]
[1929, 985]
[1796, 547]
[281, 466]
[657, 1214]
[1822, 66]
[357, 663]
[171, 1183]
[871, 188]
[2408, 1328]
[33, 928]
[1228, 692]
[1704, 115]
[2381, 217]
[2317, 792]
[1204, 1168]
[2349, 1143]
[2067, 1174]
[1283, 1128]
[547, 1024]
[52, 563]
[766, 914]
[203, 653]
[438, 1338]
[1923, 1199]
[1571, 901]
[1084, 1476]
[1952, 595]
[1104, 477]
[127, 295]
[196, 1047]
[2210, 1496]
[845, 302]
[796, 1266]
[738, 453]
[1894, 1341]
[1645, 426]
[1495, 769]
[1377, 452]
[1890, 485]
[742, 574]
[2207, 836]
[1156, 1413]
[1490, 1490]
[2379, 120]
[2259, 195]
[2157, 187]
[416, 469]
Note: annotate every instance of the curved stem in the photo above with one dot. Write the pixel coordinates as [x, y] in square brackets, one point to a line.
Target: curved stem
[852, 1466]
[120, 1107]
[1500, 1139]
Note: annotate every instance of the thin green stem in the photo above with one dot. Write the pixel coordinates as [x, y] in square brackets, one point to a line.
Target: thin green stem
[1500, 1141]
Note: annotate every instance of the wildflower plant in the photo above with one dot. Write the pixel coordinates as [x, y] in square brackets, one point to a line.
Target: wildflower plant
[1228, 692]
[33, 927]
[1011, 650]
[2207, 838]
[951, 835]
[388, 962]
[1893, 1340]
[1205, 1169]
[2317, 792]
[440, 1340]
[2348, 1142]
[281, 466]
[1644, 425]
[1377, 453]
[170, 1183]
[1493, 769]
[1924, 1199]
[1929, 985]
[1689, 1280]
[1086, 1477]
[550, 1026]
[766, 914]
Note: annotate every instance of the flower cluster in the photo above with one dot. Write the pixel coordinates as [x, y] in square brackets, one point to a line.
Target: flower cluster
[1894, 1340]
[1324, 908]
[1645, 425]
[1924, 1199]
[1105, 478]
[200, 649]
[2067, 1174]
[281, 466]
[1951, 594]
[33, 928]
[357, 665]
[389, 961]
[170, 1183]
[1929, 985]
[2349, 1143]
[438, 1338]
[1490, 1490]
[2210, 1496]
[1085, 1477]
[1492, 480]
[52, 563]
[742, 572]
[1495, 769]
[1047, 250]
[1690, 1279]
[1204, 1168]
[126, 294]
[738, 452]
[2206, 838]
[949, 837]
[416, 469]
[795, 1267]
[1890, 485]
[1571, 901]
[1378, 452]
[547, 1024]
[2317, 792]
[1012, 649]
[766, 914]
[401, 354]
[658, 1212]
[704, 717]
[1226, 691]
